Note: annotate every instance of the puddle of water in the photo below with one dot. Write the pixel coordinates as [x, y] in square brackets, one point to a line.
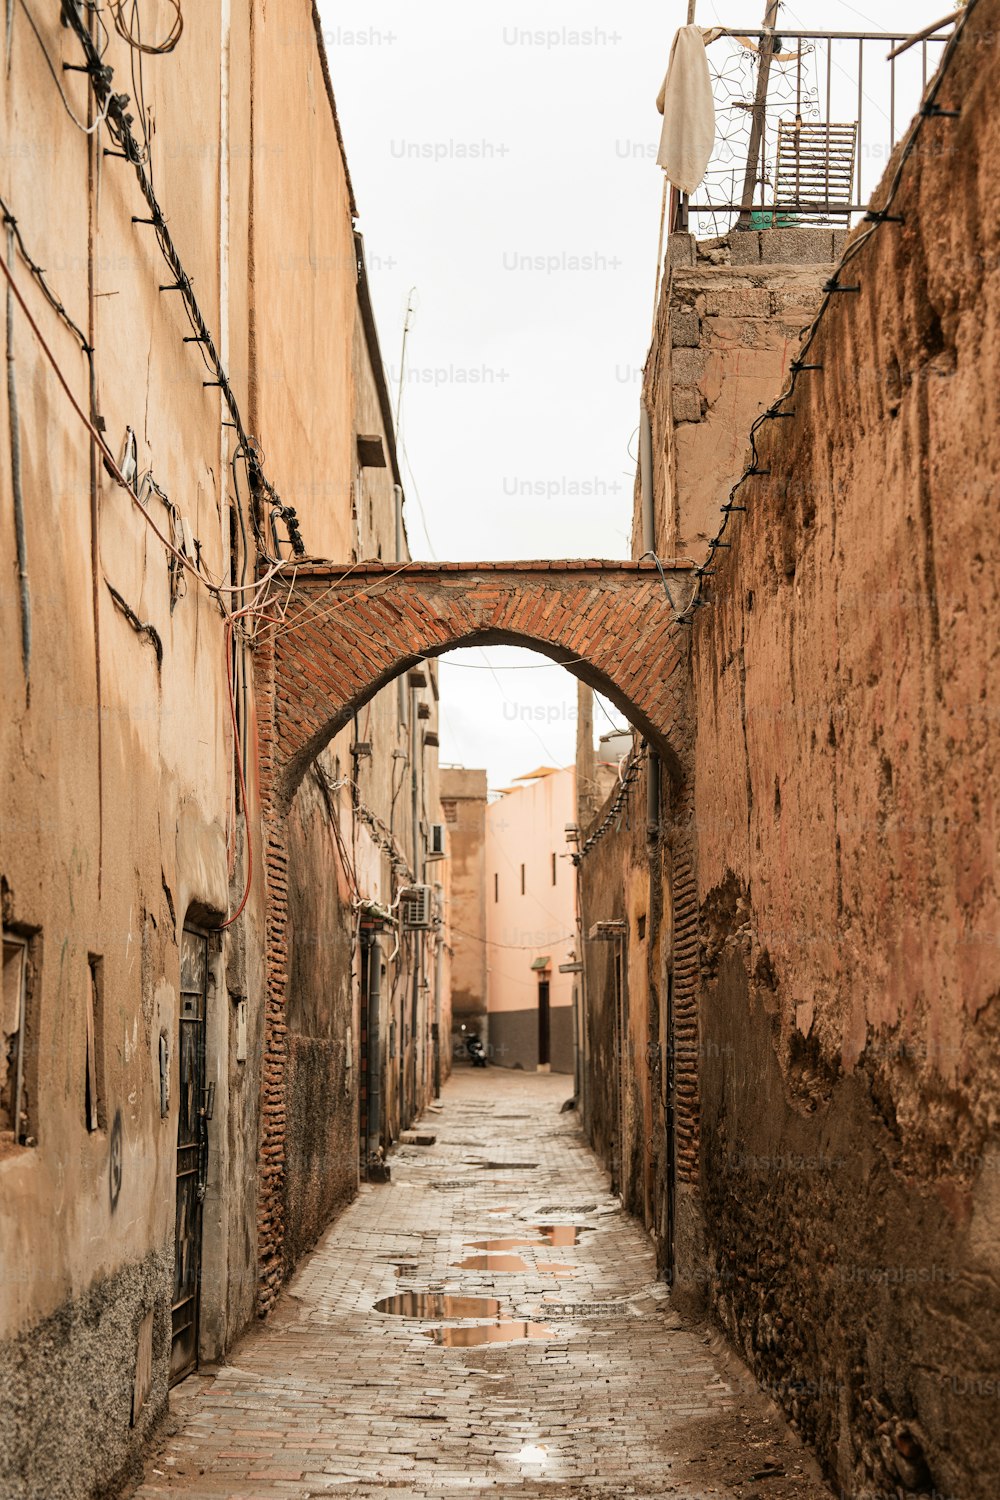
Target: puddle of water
[508, 1166]
[561, 1235]
[558, 1270]
[505, 1208]
[489, 1333]
[491, 1263]
[494, 1245]
[437, 1305]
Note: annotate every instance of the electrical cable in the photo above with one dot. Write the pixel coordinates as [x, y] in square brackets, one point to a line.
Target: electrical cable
[113, 107]
[626, 782]
[98, 438]
[151, 49]
[877, 217]
[513, 947]
[211, 584]
[102, 114]
[241, 778]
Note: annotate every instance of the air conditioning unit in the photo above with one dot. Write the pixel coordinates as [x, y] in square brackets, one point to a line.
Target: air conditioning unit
[416, 908]
[436, 845]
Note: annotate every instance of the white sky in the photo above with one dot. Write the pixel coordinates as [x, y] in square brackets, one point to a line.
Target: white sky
[472, 153]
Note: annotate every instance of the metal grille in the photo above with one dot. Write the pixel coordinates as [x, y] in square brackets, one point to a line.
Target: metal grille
[814, 171]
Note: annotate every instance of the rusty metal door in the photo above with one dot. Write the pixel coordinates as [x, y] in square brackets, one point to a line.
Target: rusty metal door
[192, 1154]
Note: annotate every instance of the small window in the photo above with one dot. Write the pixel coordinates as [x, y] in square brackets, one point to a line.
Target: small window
[496, 888]
[94, 1084]
[13, 1116]
[522, 880]
[641, 927]
[553, 869]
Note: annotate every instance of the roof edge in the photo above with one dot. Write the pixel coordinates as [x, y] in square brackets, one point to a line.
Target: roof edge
[324, 63]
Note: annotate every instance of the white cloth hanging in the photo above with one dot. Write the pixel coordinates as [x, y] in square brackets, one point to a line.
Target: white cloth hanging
[688, 109]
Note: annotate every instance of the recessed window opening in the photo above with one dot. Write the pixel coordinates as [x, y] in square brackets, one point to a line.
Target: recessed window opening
[13, 1031]
[94, 1112]
[522, 880]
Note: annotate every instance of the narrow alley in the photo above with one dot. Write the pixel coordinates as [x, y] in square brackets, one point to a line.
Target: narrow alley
[499, 750]
[609, 1394]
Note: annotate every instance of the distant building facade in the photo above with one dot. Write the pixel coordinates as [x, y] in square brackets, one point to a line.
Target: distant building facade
[531, 923]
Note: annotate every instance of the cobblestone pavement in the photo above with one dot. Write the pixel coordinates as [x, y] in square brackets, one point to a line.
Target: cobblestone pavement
[620, 1396]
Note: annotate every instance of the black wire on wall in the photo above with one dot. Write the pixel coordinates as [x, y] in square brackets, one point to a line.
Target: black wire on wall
[832, 289]
[114, 106]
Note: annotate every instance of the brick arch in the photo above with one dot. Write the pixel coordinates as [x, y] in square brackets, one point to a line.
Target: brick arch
[346, 634]
[609, 623]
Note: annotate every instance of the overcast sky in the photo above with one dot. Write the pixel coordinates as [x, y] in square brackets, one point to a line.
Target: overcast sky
[503, 161]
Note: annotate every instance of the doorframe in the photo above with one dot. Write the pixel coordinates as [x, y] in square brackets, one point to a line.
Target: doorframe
[200, 1145]
[544, 1064]
[212, 1317]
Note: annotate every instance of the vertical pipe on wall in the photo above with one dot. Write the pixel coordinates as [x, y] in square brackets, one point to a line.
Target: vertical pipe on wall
[652, 796]
[397, 496]
[438, 965]
[20, 536]
[646, 478]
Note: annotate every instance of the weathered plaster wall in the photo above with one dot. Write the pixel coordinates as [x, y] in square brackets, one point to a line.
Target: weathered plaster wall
[728, 324]
[463, 794]
[117, 799]
[626, 878]
[321, 1091]
[117, 777]
[846, 791]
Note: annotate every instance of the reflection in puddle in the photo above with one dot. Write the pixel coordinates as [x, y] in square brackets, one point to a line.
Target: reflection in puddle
[492, 1263]
[490, 1333]
[494, 1245]
[562, 1234]
[511, 1263]
[438, 1305]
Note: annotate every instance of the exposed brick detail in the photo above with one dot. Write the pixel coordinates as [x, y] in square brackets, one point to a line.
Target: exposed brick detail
[346, 633]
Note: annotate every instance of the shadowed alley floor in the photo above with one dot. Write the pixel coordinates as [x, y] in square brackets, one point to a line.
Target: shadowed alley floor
[619, 1397]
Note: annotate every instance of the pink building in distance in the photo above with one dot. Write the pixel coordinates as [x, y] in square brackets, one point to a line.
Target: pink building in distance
[531, 922]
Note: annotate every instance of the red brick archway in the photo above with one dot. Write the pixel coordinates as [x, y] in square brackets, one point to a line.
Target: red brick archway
[346, 634]
[609, 623]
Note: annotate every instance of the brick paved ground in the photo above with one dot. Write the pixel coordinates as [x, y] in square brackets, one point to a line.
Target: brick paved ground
[622, 1397]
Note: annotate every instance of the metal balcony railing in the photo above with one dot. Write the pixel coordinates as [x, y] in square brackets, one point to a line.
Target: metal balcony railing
[805, 124]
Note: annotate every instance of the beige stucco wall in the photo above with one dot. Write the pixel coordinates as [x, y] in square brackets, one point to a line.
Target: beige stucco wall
[463, 794]
[117, 799]
[526, 826]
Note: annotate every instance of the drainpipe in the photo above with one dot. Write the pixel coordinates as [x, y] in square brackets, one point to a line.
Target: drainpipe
[374, 1048]
[397, 497]
[646, 478]
[649, 545]
[418, 952]
[652, 796]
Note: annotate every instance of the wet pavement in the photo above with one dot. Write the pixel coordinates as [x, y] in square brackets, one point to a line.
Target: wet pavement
[590, 1386]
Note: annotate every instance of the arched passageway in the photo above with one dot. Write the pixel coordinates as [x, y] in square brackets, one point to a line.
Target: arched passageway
[345, 634]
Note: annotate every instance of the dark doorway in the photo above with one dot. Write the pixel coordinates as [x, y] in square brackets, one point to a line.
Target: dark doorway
[544, 1037]
[192, 1153]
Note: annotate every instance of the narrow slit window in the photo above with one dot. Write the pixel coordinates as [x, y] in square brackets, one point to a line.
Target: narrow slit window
[553, 869]
[13, 1118]
[94, 1086]
[522, 880]
[496, 888]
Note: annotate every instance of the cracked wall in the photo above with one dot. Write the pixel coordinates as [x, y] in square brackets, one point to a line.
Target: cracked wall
[846, 792]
